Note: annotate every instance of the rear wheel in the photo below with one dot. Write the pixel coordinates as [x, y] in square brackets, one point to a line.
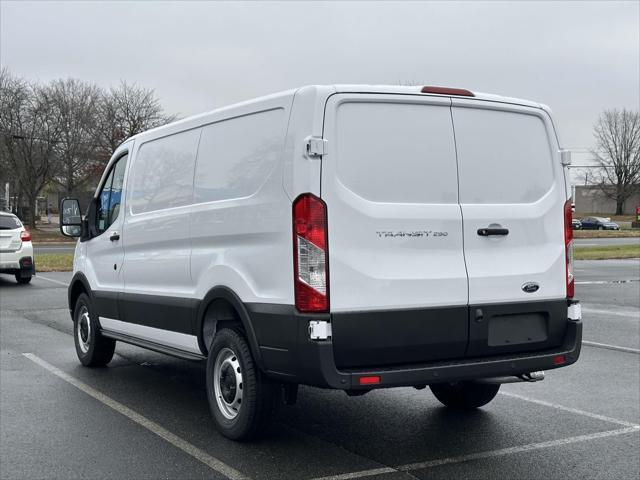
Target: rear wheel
[464, 395]
[22, 280]
[242, 400]
[93, 349]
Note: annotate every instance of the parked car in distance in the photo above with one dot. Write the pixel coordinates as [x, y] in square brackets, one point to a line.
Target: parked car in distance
[16, 249]
[316, 237]
[598, 223]
[576, 224]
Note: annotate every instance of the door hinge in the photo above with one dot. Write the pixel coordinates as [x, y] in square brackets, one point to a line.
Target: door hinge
[315, 147]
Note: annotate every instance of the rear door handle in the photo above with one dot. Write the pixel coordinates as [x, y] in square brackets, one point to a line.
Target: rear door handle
[485, 232]
[114, 236]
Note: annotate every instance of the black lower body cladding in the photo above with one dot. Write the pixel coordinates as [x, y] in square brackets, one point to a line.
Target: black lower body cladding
[402, 347]
[493, 346]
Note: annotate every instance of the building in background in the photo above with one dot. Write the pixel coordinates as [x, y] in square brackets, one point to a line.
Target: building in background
[591, 199]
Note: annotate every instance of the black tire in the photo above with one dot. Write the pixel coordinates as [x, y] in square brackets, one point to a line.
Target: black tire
[464, 395]
[93, 349]
[259, 396]
[22, 280]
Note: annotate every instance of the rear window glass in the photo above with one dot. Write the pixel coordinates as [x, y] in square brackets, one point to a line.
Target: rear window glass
[162, 173]
[397, 153]
[9, 223]
[503, 157]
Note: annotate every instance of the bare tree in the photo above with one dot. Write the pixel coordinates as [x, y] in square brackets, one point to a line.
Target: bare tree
[29, 132]
[76, 103]
[125, 111]
[617, 134]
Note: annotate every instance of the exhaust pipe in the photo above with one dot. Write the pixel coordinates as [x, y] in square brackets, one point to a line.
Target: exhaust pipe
[525, 377]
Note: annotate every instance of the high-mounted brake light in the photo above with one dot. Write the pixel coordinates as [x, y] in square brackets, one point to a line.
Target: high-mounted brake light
[448, 91]
[310, 254]
[568, 247]
[25, 236]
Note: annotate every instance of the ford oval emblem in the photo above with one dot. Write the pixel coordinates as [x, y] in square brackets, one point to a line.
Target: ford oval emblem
[530, 287]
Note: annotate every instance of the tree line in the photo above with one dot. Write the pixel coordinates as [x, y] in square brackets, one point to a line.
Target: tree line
[617, 155]
[63, 132]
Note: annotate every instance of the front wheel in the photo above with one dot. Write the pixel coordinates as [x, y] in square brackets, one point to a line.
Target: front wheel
[465, 395]
[242, 400]
[93, 349]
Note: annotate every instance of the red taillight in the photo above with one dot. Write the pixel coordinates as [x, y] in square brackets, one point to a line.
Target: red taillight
[568, 248]
[369, 380]
[448, 91]
[25, 236]
[310, 255]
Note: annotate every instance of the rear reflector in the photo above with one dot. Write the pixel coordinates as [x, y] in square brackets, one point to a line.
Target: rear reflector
[369, 380]
[310, 255]
[25, 236]
[559, 360]
[448, 91]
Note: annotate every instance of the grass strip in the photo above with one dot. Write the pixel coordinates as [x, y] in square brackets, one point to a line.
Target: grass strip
[606, 252]
[606, 233]
[54, 262]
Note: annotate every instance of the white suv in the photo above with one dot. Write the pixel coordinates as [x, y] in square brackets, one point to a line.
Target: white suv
[350, 237]
[16, 250]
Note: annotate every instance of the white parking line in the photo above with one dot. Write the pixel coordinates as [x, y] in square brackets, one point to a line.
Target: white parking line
[628, 314]
[606, 282]
[51, 280]
[611, 347]
[212, 462]
[482, 455]
[577, 411]
[629, 428]
[519, 449]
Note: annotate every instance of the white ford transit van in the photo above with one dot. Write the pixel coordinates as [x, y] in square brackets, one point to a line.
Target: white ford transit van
[347, 237]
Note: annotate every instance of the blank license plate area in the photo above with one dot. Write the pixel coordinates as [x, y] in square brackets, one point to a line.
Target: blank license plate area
[517, 329]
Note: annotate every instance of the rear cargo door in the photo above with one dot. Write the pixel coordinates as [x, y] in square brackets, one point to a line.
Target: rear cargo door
[398, 284]
[512, 197]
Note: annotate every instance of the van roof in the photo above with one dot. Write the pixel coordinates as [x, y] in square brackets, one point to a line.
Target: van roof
[416, 89]
[344, 88]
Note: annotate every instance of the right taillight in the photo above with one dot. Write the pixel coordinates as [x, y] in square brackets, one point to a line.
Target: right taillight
[25, 236]
[568, 248]
[310, 255]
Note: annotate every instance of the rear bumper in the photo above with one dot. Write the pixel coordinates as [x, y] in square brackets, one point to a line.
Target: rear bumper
[328, 375]
[287, 354]
[23, 265]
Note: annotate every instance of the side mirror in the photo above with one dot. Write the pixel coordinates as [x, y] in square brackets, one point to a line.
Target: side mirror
[70, 217]
[565, 157]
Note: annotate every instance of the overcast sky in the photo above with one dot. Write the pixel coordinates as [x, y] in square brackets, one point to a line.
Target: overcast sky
[577, 57]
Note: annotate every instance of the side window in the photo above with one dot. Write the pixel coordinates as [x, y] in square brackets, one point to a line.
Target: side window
[108, 204]
[102, 205]
[162, 173]
[236, 156]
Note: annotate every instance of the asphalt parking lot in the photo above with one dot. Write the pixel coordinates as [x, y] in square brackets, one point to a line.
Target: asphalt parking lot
[146, 415]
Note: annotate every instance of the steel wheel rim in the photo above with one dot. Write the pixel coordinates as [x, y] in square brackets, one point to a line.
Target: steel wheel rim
[83, 329]
[227, 383]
